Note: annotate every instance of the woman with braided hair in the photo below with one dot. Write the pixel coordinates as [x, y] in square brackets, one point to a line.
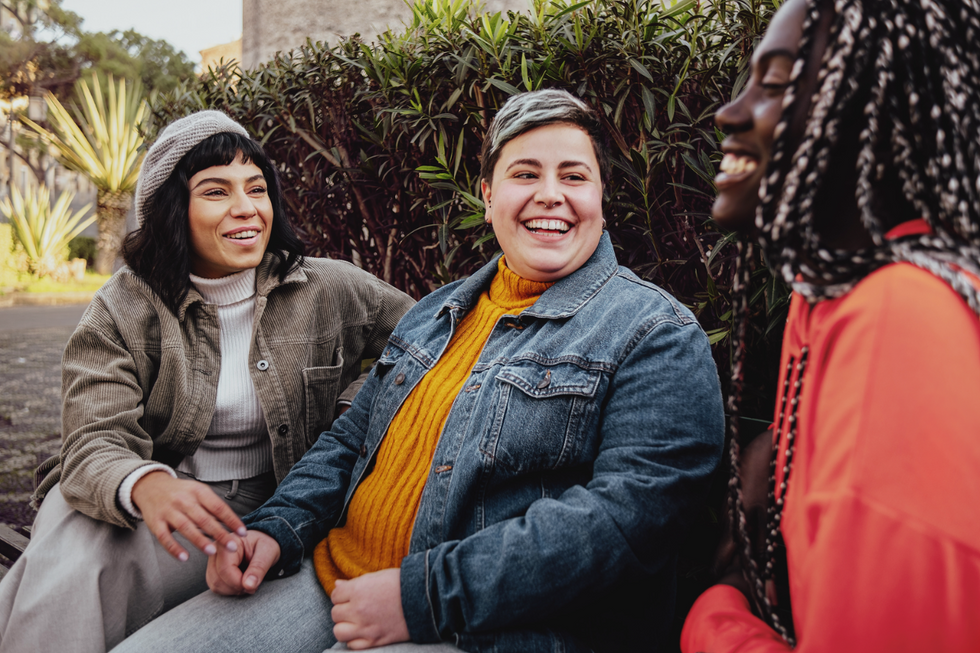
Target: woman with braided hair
[853, 160]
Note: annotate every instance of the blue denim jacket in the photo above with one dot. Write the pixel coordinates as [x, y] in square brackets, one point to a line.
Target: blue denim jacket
[568, 469]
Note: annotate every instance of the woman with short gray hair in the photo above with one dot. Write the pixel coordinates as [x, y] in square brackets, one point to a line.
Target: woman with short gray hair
[518, 470]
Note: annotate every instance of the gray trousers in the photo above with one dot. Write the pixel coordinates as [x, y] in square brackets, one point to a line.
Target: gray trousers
[288, 615]
[83, 585]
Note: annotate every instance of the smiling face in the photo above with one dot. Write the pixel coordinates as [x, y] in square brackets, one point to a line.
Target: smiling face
[545, 201]
[230, 216]
[750, 120]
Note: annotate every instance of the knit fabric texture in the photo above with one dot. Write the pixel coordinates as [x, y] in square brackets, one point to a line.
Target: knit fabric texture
[237, 445]
[382, 511]
[177, 139]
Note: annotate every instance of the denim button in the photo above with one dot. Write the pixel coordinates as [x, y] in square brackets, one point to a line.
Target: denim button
[363, 450]
[546, 381]
[399, 379]
[262, 365]
[283, 429]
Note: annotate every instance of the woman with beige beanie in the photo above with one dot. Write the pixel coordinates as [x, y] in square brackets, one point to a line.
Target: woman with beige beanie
[199, 374]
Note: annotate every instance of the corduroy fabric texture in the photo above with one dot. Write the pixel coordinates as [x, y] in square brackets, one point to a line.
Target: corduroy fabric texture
[382, 511]
[176, 141]
[137, 379]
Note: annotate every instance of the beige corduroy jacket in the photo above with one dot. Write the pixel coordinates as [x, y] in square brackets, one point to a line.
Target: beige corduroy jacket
[139, 383]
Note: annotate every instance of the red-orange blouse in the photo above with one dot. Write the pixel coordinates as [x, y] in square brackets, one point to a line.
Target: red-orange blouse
[882, 511]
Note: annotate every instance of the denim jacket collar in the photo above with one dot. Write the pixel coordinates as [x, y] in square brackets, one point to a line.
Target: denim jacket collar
[562, 300]
[265, 282]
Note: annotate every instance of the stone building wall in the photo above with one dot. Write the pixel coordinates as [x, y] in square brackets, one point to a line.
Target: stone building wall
[270, 26]
[224, 53]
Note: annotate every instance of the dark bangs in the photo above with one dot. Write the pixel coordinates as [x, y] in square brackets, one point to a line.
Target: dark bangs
[221, 150]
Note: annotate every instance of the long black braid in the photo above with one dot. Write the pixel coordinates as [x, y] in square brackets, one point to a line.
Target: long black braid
[906, 74]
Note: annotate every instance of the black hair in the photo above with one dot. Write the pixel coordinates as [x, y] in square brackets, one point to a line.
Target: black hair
[159, 252]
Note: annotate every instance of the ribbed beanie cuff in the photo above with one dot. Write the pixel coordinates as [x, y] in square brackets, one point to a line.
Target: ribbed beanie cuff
[177, 140]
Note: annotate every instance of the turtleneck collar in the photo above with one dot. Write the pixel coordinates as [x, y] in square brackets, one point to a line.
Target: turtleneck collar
[226, 290]
[511, 291]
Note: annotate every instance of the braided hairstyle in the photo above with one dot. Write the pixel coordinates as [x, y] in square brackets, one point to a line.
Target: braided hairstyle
[904, 76]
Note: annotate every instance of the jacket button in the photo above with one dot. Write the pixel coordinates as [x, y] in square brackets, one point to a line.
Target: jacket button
[546, 381]
[399, 379]
[283, 429]
[363, 450]
[262, 365]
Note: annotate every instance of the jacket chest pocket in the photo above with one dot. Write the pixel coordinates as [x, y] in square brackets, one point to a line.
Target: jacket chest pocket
[543, 417]
[321, 387]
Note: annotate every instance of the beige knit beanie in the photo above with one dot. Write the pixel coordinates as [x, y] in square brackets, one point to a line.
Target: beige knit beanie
[174, 142]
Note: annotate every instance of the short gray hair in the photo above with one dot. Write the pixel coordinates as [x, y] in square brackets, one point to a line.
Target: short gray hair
[527, 111]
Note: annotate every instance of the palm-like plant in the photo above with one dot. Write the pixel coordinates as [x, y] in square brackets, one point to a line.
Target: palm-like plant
[44, 230]
[99, 139]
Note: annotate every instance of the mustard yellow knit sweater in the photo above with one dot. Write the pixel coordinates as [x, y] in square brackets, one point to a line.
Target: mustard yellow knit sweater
[382, 511]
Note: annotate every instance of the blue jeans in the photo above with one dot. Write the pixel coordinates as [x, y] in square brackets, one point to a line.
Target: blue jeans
[291, 615]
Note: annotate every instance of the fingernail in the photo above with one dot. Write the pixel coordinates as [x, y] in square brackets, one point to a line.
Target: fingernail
[231, 546]
[182, 556]
[242, 532]
[210, 549]
[250, 582]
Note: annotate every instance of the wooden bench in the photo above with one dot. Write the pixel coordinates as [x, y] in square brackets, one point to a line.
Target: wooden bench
[12, 544]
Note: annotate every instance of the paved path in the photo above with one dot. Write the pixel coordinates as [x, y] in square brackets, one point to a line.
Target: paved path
[32, 339]
[19, 318]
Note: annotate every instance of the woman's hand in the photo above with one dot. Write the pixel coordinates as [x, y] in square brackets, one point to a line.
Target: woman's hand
[225, 575]
[367, 611]
[191, 508]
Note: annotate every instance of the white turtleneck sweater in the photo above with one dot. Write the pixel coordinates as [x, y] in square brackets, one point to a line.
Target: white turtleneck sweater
[237, 444]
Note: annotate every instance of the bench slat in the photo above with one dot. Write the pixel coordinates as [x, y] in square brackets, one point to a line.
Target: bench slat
[12, 543]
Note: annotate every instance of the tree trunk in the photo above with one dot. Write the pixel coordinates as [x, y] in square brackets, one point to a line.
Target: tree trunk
[111, 211]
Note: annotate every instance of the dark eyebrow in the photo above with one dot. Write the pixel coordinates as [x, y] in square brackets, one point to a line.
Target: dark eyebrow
[525, 162]
[212, 180]
[224, 182]
[573, 164]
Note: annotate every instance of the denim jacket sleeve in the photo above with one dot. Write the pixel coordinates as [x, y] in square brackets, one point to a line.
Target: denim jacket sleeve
[662, 430]
[310, 500]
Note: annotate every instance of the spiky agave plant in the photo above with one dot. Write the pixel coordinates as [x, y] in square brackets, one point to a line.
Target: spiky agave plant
[43, 230]
[99, 139]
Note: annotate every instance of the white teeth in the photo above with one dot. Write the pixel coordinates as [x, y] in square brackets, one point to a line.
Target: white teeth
[732, 164]
[548, 225]
[241, 235]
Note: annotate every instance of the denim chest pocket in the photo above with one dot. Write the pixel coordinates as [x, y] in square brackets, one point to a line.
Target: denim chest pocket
[543, 417]
[321, 387]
